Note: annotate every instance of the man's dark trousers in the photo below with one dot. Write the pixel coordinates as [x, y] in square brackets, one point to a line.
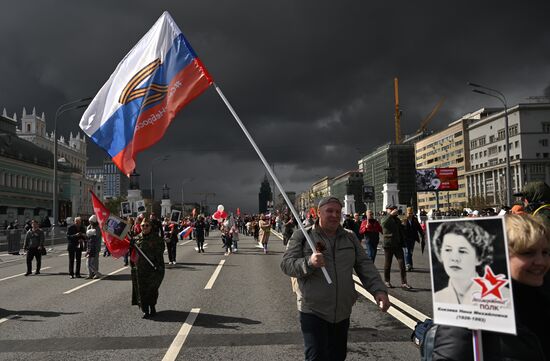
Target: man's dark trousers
[74, 253]
[32, 253]
[324, 341]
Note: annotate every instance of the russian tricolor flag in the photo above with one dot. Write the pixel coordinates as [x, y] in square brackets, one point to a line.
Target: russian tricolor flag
[185, 232]
[157, 78]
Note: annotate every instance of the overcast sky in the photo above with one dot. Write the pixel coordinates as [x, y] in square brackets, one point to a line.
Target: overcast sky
[312, 80]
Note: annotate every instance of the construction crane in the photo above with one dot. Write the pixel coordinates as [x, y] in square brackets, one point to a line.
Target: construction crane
[397, 112]
[427, 120]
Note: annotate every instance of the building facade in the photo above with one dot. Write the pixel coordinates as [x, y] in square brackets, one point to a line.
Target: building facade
[349, 183]
[72, 151]
[529, 147]
[390, 163]
[115, 183]
[26, 180]
[444, 149]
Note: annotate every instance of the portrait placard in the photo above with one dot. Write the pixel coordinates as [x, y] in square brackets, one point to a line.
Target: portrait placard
[125, 209]
[140, 206]
[175, 216]
[116, 227]
[470, 273]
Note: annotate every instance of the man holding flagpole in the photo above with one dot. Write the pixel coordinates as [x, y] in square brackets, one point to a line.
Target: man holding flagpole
[325, 309]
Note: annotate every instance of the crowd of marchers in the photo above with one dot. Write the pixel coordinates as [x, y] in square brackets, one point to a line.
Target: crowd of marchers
[343, 245]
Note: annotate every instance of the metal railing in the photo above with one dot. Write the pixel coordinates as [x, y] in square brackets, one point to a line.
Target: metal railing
[11, 240]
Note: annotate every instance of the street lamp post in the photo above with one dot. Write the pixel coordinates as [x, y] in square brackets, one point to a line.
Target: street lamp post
[77, 104]
[498, 95]
[161, 159]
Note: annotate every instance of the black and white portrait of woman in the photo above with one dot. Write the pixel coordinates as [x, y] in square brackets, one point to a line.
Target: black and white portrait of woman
[460, 251]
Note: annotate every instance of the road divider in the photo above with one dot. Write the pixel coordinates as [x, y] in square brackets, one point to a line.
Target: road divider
[214, 275]
[94, 281]
[178, 342]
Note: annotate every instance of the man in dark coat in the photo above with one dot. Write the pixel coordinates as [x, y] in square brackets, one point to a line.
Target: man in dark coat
[392, 233]
[413, 233]
[76, 236]
[34, 242]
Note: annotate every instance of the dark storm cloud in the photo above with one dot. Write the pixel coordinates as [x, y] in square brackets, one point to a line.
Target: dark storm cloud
[312, 80]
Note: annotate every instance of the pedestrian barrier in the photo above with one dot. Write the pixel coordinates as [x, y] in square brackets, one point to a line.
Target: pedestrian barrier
[11, 240]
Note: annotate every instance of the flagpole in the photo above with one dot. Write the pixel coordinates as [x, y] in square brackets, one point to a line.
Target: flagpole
[144, 255]
[272, 174]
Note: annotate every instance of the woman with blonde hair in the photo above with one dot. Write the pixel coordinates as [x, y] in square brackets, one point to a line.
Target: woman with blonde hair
[529, 252]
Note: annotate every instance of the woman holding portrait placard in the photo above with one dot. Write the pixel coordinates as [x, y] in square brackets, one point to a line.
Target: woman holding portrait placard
[146, 280]
[529, 251]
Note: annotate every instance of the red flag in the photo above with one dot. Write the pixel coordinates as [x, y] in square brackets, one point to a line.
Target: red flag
[117, 247]
[238, 211]
[312, 212]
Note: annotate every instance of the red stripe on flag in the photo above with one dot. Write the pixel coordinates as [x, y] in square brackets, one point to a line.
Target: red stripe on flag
[151, 125]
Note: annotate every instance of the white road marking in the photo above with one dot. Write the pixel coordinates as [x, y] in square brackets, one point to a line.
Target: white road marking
[214, 275]
[94, 281]
[402, 305]
[407, 321]
[2, 320]
[21, 274]
[178, 342]
[63, 254]
[184, 243]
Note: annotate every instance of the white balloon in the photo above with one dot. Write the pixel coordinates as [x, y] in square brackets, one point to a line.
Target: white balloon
[221, 208]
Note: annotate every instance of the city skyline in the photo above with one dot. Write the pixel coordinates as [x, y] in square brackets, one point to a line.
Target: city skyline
[313, 81]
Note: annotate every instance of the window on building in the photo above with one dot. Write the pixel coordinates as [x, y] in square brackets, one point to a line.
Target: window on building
[543, 142]
[513, 130]
[482, 141]
[500, 148]
[546, 127]
[500, 134]
[491, 138]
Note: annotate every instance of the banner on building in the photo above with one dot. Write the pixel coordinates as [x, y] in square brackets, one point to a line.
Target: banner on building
[436, 179]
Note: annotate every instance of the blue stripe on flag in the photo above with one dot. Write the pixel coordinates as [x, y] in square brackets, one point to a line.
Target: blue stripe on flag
[117, 132]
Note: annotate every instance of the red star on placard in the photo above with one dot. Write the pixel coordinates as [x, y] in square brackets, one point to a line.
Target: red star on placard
[490, 283]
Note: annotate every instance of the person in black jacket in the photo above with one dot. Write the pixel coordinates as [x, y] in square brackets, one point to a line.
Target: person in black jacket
[529, 249]
[34, 242]
[76, 236]
[412, 234]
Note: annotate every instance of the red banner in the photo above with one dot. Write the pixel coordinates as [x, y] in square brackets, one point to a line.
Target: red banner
[117, 247]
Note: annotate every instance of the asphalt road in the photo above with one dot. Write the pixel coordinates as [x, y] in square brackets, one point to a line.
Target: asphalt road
[247, 313]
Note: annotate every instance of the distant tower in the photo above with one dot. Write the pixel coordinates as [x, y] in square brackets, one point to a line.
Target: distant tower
[165, 203]
[264, 196]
